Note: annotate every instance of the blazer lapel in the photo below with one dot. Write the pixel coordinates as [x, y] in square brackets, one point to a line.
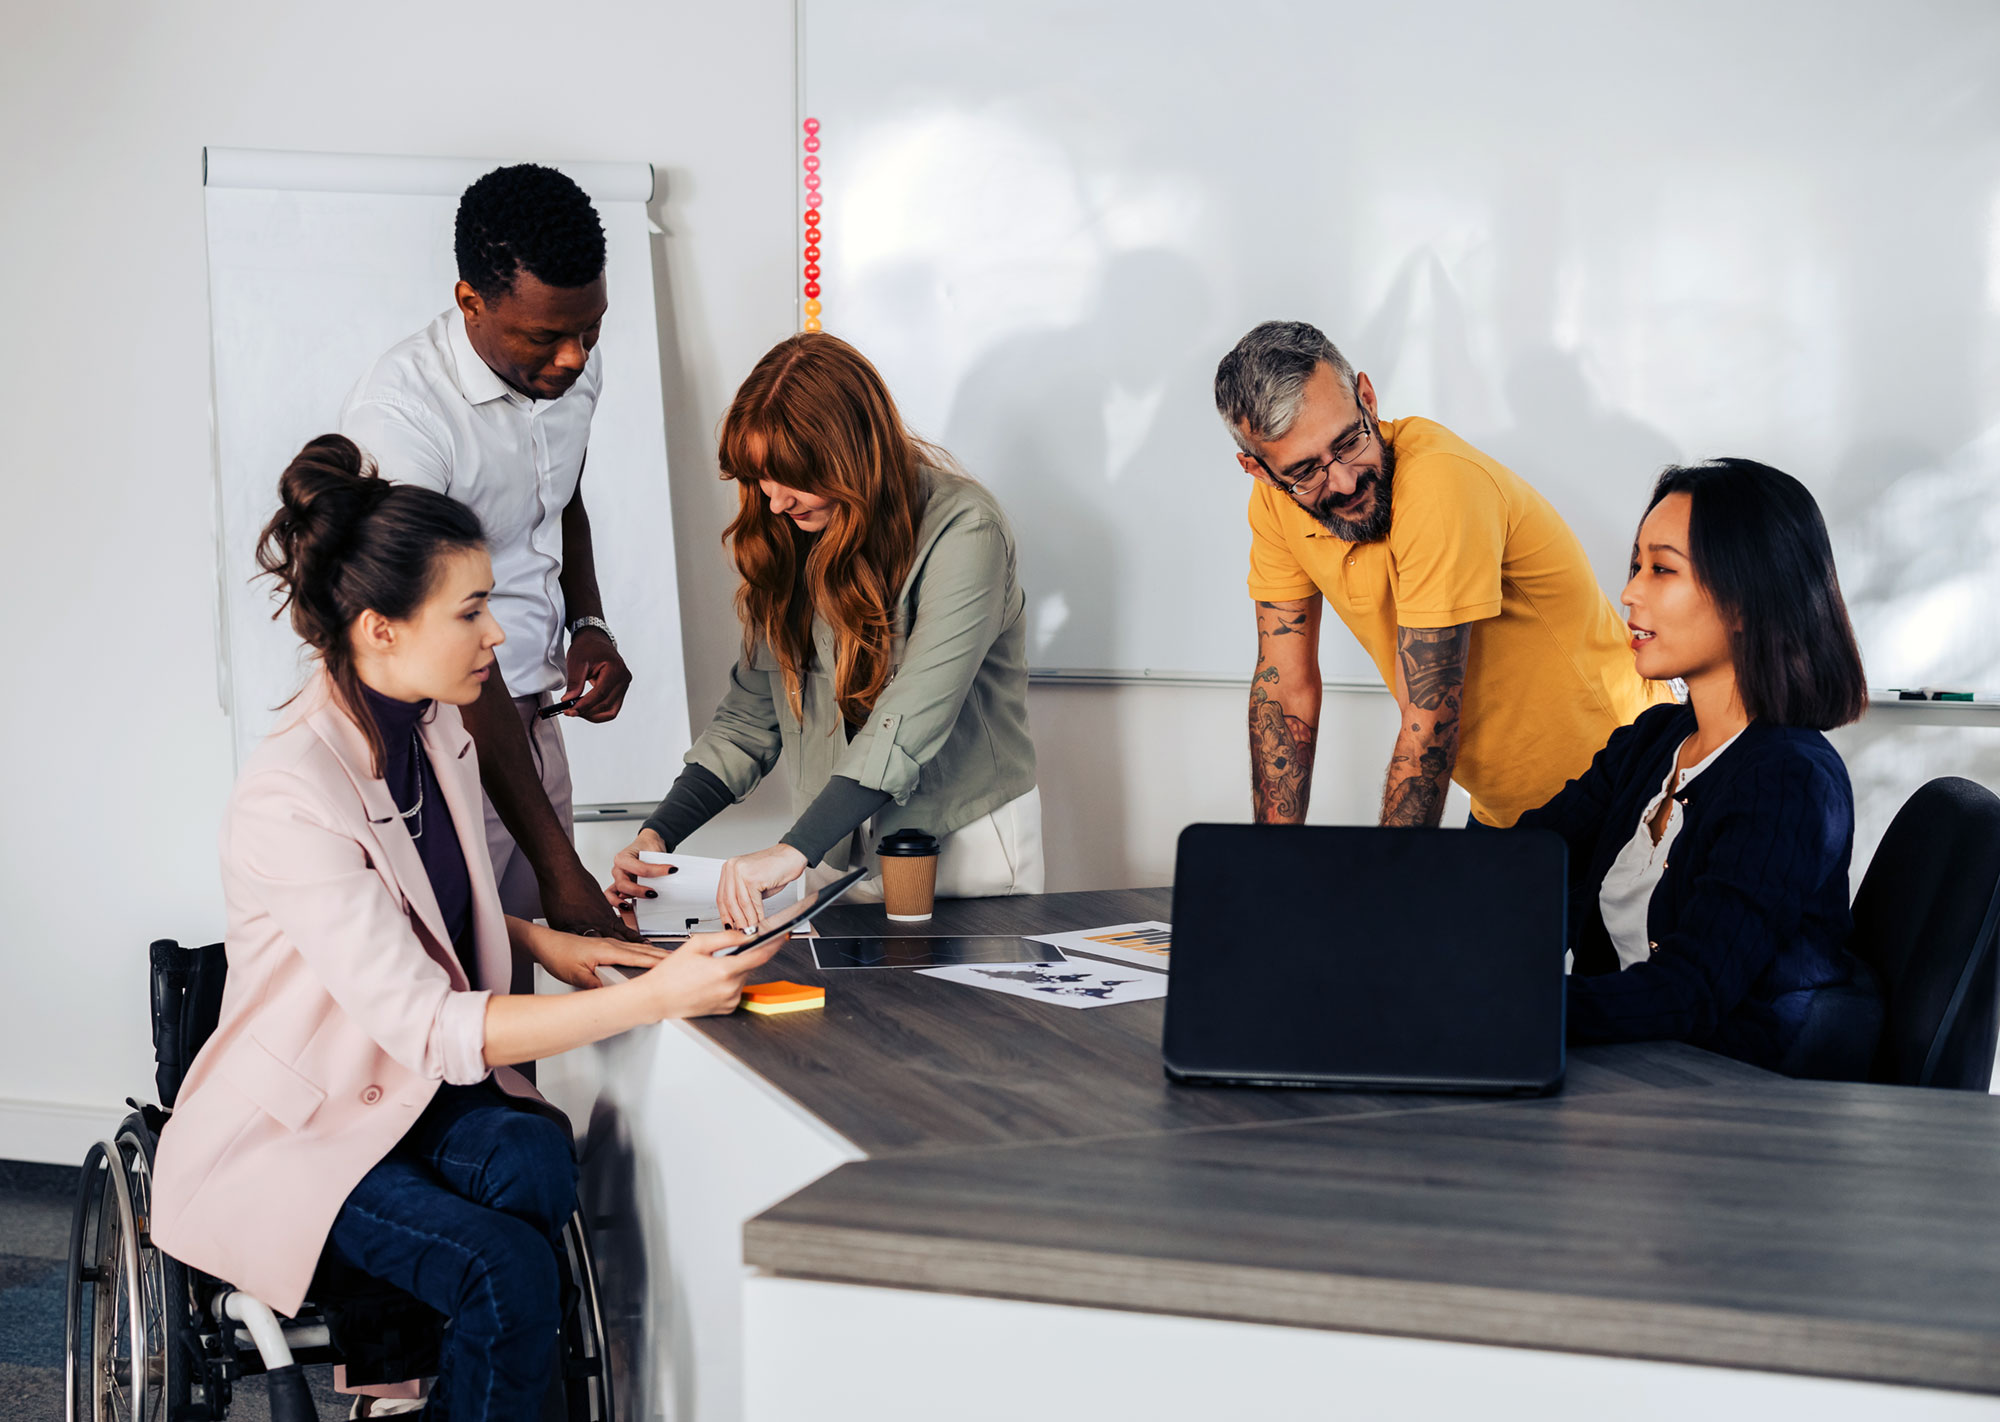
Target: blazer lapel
[457, 766]
[391, 831]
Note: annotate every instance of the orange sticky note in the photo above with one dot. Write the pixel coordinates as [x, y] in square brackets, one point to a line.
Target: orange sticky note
[772, 998]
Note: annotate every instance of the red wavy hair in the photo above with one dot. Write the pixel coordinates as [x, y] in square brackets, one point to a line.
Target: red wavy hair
[815, 416]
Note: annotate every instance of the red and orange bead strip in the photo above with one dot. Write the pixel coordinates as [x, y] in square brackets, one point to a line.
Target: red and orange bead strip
[811, 165]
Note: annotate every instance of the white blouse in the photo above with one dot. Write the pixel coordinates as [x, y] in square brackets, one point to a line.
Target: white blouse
[1629, 883]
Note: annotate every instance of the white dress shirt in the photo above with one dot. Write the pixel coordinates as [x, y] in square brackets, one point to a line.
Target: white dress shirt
[431, 412]
[1627, 891]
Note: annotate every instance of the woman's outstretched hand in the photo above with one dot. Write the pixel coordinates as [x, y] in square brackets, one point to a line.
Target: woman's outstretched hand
[748, 877]
[693, 982]
[689, 982]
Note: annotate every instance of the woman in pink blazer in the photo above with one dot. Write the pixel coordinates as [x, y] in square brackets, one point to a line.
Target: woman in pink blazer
[357, 1098]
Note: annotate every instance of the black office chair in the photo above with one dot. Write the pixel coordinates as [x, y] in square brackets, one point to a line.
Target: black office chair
[148, 1338]
[1925, 921]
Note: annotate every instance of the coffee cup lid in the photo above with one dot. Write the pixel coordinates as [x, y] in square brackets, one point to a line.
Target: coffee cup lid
[908, 844]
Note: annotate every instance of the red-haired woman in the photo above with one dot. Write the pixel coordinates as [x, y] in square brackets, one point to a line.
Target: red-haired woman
[884, 646]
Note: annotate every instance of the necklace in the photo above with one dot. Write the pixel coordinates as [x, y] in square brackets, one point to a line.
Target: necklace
[415, 811]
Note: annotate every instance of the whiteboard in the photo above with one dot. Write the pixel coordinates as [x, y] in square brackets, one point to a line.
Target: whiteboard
[318, 263]
[1592, 239]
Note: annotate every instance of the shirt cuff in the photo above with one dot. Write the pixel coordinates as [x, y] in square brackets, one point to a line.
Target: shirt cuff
[697, 797]
[1451, 617]
[875, 760]
[838, 810]
[1282, 592]
[461, 1035]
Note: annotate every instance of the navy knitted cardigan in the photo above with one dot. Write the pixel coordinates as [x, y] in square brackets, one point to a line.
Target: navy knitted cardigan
[1751, 912]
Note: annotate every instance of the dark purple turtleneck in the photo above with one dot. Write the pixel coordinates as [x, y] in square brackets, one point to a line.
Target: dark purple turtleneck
[406, 770]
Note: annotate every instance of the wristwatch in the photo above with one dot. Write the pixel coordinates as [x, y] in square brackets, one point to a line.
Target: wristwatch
[596, 622]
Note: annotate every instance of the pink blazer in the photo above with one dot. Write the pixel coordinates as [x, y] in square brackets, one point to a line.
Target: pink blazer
[345, 1004]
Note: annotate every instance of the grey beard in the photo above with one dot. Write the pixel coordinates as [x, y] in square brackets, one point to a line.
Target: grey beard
[1376, 525]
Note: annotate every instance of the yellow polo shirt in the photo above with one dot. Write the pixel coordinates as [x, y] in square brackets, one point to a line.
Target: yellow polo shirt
[1549, 676]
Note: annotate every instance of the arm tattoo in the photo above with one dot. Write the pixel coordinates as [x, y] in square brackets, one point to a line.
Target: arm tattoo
[1281, 754]
[1433, 666]
[1433, 661]
[1286, 621]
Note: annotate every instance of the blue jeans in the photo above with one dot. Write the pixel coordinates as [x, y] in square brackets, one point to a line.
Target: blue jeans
[464, 1214]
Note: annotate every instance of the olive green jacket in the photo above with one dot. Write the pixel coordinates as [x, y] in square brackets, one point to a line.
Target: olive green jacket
[948, 738]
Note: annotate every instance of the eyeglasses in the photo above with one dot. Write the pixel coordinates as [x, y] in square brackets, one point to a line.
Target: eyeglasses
[1345, 453]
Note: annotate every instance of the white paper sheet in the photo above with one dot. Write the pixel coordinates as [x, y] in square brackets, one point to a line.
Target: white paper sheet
[689, 895]
[1064, 984]
[1148, 943]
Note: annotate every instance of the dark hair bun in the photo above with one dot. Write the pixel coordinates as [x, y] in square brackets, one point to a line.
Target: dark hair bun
[345, 541]
[325, 497]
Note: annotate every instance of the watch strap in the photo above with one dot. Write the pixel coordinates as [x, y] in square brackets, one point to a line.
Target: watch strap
[596, 622]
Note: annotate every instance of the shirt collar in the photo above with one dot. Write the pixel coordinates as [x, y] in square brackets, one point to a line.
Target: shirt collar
[476, 380]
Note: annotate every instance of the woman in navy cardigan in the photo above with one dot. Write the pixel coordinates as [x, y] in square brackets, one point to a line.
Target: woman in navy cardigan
[1709, 842]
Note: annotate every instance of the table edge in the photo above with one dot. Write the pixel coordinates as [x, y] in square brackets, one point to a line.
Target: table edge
[1700, 1335]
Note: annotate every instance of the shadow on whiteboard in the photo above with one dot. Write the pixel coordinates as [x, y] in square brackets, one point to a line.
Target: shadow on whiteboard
[1084, 418]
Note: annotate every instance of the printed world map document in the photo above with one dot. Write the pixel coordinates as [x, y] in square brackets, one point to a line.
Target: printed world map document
[1070, 984]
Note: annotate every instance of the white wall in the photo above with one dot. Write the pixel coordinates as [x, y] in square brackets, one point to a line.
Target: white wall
[118, 755]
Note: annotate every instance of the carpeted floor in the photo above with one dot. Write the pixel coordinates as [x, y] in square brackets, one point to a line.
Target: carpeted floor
[35, 1206]
[35, 1202]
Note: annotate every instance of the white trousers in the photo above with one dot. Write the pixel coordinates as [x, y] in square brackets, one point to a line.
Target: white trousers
[998, 853]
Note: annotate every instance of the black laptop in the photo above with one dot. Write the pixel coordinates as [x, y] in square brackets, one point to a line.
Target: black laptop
[1370, 959]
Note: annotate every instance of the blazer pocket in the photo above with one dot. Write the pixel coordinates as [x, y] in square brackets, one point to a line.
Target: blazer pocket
[273, 1084]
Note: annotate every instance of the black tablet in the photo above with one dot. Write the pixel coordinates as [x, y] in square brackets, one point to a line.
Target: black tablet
[908, 951]
[794, 914]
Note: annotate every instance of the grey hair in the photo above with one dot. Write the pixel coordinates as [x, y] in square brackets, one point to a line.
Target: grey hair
[1259, 384]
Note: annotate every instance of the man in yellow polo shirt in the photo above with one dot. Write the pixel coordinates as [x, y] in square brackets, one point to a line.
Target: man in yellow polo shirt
[1509, 664]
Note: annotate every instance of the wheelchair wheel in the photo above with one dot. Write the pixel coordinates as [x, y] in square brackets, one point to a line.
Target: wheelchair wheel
[129, 1311]
[586, 1364]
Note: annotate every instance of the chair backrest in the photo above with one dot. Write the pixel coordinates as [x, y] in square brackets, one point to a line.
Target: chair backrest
[187, 1001]
[1925, 920]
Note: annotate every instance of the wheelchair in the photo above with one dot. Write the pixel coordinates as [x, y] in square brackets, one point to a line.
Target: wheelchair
[150, 1340]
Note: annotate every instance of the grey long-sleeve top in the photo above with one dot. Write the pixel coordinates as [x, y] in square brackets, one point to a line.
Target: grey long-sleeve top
[947, 740]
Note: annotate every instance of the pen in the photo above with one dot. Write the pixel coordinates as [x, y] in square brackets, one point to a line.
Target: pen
[558, 708]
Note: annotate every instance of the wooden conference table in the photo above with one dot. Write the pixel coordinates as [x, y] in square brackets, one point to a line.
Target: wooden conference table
[933, 1201]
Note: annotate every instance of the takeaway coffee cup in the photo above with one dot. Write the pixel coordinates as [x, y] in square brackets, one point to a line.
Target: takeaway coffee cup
[909, 874]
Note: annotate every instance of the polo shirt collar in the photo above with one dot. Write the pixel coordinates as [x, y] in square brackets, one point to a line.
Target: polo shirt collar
[476, 380]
